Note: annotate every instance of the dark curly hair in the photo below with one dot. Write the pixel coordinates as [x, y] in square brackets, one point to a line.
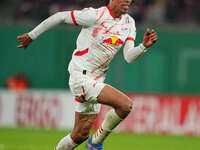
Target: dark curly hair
[97, 3]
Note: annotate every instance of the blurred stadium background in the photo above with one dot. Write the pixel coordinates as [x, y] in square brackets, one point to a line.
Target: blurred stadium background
[36, 107]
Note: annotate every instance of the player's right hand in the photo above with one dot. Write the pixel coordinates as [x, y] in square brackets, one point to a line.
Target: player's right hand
[24, 40]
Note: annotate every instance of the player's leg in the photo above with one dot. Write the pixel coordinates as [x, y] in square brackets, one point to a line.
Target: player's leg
[82, 127]
[122, 107]
[80, 133]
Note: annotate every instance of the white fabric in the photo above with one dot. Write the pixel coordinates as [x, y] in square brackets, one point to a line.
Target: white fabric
[85, 86]
[48, 24]
[110, 122]
[101, 37]
[131, 53]
[63, 17]
[102, 34]
[66, 143]
[86, 17]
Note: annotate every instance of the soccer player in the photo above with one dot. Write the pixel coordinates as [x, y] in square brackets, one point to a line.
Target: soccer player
[104, 31]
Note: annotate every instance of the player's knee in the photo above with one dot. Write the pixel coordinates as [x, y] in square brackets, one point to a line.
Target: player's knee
[126, 107]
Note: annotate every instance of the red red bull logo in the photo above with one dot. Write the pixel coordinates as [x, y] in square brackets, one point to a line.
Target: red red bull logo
[113, 41]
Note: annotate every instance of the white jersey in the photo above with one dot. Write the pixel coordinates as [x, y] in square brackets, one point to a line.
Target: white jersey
[101, 37]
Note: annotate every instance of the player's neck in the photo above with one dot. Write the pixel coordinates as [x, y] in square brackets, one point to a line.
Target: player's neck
[116, 13]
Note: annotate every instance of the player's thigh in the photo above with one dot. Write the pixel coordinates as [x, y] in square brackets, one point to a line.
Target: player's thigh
[113, 97]
[83, 125]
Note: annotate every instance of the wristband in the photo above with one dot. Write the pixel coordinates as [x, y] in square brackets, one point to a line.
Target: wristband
[32, 36]
[144, 49]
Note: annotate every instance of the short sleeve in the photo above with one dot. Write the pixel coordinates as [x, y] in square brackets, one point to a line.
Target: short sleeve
[85, 17]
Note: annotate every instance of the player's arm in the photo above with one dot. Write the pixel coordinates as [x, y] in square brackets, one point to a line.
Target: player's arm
[83, 18]
[131, 53]
[47, 24]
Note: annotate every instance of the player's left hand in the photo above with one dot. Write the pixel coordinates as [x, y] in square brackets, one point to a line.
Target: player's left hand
[24, 40]
[150, 38]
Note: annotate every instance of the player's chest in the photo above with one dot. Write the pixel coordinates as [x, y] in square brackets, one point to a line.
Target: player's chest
[111, 28]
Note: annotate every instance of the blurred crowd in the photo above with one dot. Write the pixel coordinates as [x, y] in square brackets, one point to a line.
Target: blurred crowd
[170, 11]
[17, 82]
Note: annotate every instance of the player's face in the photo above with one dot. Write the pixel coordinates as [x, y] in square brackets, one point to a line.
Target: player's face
[122, 5]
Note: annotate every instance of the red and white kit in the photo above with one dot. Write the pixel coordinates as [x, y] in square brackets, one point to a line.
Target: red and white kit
[101, 37]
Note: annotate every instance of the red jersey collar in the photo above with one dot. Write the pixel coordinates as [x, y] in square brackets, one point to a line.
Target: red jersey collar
[111, 13]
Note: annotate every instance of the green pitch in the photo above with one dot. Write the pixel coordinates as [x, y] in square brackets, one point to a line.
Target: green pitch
[40, 139]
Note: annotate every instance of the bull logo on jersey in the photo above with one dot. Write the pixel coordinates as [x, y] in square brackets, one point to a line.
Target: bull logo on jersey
[113, 41]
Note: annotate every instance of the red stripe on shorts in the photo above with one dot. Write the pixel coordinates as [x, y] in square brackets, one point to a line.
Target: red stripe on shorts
[78, 100]
[83, 90]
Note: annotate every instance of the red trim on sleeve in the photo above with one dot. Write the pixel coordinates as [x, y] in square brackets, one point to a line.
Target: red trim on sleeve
[130, 39]
[83, 90]
[73, 18]
[81, 53]
[111, 13]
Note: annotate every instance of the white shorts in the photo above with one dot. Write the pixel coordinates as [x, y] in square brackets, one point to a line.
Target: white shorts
[85, 91]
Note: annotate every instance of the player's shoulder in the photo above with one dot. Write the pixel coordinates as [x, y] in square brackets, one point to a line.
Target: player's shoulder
[89, 12]
[93, 9]
[129, 19]
[88, 9]
[97, 13]
[100, 10]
